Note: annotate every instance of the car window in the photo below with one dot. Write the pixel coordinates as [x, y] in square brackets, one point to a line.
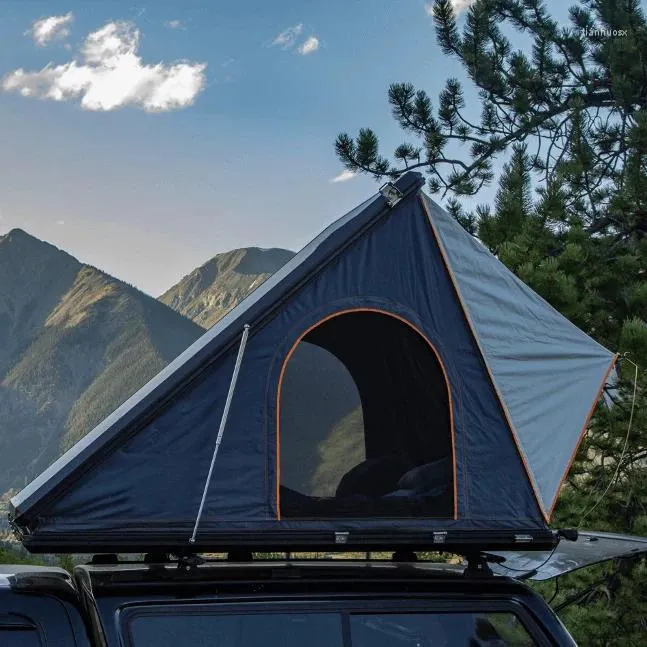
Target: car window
[200, 629]
[249, 630]
[439, 630]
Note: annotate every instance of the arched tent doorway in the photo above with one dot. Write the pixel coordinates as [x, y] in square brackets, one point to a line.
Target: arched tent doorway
[365, 422]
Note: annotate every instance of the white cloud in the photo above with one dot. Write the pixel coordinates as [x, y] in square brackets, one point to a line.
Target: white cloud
[60, 222]
[52, 28]
[175, 24]
[309, 46]
[344, 176]
[459, 6]
[288, 37]
[112, 75]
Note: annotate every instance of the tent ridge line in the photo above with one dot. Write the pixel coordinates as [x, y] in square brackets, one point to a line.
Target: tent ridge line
[470, 323]
[583, 432]
[381, 215]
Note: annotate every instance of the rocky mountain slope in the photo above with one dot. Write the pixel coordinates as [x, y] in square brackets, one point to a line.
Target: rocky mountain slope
[74, 344]
[213, 289]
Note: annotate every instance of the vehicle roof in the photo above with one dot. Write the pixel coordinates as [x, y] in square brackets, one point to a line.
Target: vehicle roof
[115, 575]
[149, 583]
[31, 577]
[382, 567]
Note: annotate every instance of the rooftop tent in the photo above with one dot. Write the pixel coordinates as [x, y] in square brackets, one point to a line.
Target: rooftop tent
[392, 384]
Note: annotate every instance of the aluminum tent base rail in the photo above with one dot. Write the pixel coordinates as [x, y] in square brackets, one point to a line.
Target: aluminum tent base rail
[175, 541]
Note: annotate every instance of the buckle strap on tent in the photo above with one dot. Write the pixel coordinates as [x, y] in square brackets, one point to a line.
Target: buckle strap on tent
[391, 193]
[221, 429]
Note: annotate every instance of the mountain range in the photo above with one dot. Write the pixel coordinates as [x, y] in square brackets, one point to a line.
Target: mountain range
[210, 291]
[76, 342]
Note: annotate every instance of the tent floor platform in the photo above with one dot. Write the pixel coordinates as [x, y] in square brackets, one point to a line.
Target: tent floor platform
[177, 542]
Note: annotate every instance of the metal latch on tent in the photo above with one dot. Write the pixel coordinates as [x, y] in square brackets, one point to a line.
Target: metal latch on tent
[391, 193]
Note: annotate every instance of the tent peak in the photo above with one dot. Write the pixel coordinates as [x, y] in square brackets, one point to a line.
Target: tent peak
[408, 182]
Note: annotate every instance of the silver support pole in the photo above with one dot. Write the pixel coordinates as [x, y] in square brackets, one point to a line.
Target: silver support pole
[223, 422]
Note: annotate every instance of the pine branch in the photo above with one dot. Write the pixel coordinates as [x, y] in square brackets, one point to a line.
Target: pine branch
[520, 98]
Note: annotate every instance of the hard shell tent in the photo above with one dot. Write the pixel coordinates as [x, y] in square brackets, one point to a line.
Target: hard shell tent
[398, 385]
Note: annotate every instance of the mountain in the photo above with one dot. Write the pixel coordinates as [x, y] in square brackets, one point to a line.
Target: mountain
[322, 429]
[74, 344]
[213, 289]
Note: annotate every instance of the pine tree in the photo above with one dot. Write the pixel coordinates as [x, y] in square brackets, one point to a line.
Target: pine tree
[574, 87]
[570, 114]
[598, 281]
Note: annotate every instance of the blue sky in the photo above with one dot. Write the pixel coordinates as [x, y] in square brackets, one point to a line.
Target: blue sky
[157, 184]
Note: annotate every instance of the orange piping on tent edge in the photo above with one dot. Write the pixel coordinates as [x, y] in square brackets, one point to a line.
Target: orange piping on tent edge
[582, 434]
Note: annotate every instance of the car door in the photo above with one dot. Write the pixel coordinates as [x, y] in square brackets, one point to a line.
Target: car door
[28, 620]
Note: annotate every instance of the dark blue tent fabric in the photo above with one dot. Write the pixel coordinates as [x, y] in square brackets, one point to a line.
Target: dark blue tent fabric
[143, 470]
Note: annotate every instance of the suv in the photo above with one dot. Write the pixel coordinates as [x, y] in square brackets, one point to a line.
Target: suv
[323, 604]
[193, 601]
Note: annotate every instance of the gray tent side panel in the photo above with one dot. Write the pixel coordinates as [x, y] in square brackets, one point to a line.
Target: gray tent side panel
[222, 333]
[533, 352]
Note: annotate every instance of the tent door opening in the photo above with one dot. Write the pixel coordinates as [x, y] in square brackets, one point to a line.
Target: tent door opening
[364, 422]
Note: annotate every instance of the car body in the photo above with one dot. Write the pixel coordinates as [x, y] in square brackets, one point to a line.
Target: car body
[160, 601]
[288, 603]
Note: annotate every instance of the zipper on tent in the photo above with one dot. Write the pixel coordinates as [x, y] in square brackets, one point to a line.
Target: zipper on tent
[223, 422]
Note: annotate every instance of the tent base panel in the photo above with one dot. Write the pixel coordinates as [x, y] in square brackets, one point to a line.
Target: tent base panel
[176, 542]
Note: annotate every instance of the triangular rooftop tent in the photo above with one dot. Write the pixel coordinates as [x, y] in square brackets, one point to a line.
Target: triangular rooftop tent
[394, 382]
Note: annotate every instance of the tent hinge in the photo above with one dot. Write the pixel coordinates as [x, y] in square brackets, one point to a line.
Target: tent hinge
[391, 193]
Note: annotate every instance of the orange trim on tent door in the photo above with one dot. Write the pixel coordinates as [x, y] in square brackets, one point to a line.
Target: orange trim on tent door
[282, 375]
